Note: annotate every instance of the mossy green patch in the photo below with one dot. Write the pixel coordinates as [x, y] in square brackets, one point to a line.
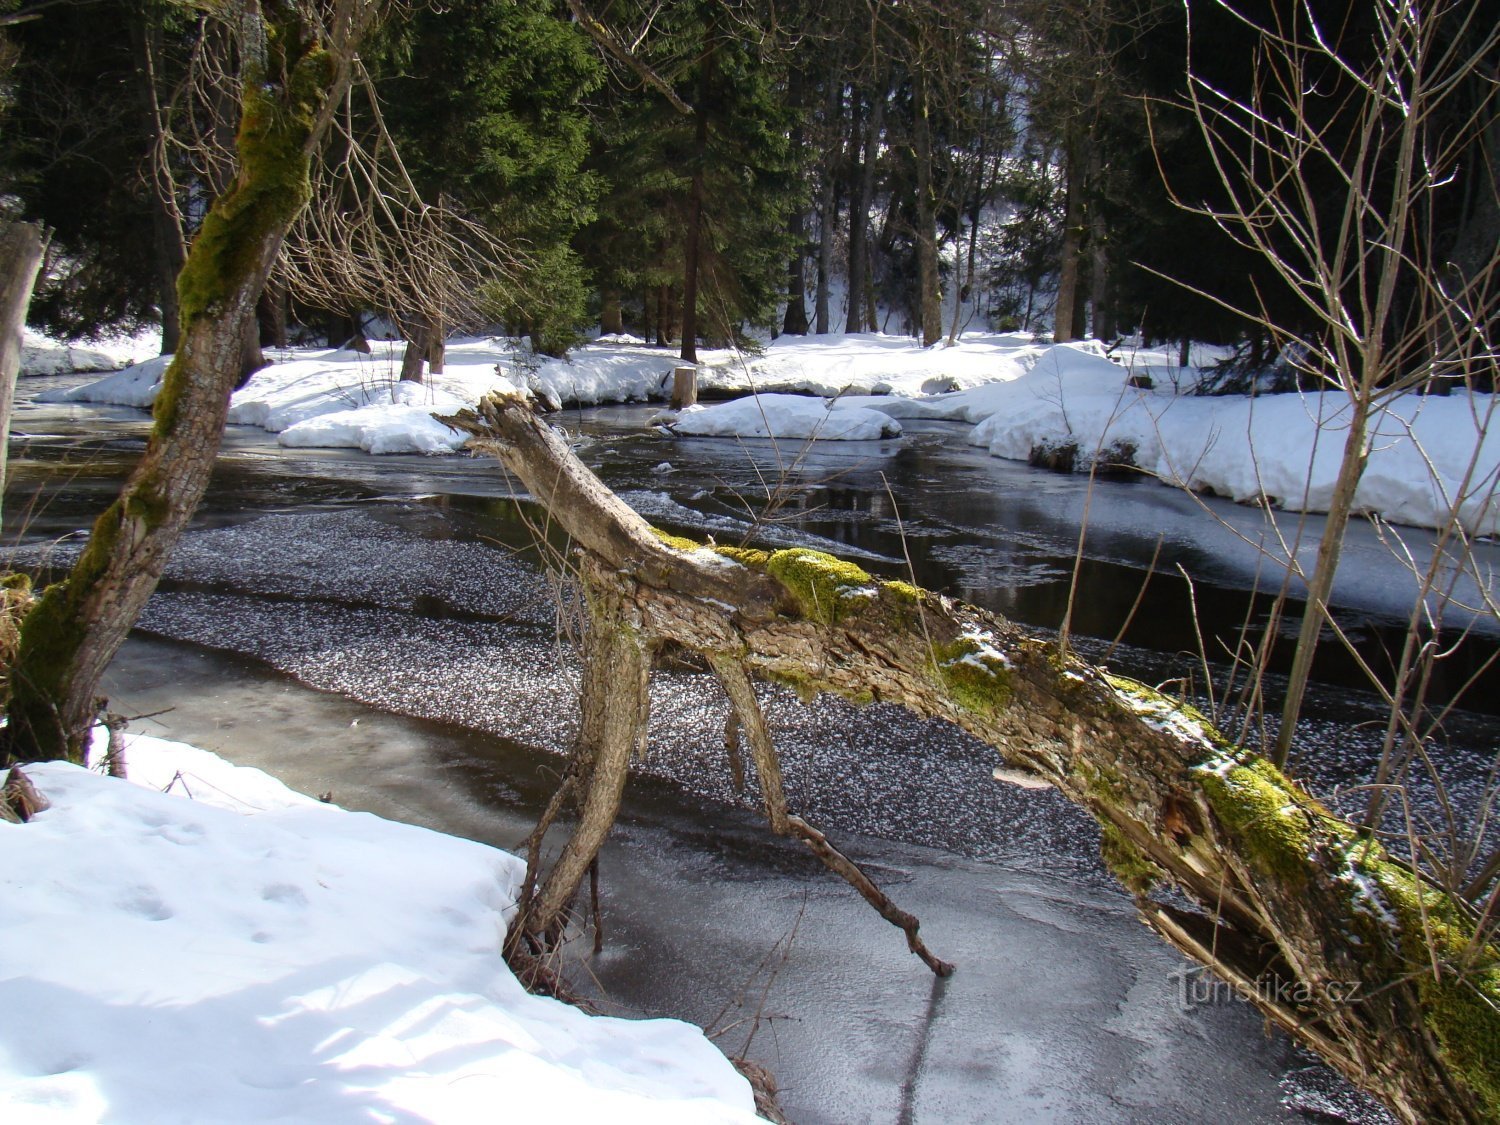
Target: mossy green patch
[1461, 1004]
[904, 591]
[676, 542]
[823, 587]
[240, 232]
[976, 676]
[1129, 864]
[745, 556]
[1265, 814]
[1160, 708]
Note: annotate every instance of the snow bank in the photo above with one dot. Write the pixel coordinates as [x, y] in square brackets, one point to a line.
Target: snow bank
[42, 355]
[136, 385]
[784, 416]
[873, 364]
[1019, 394]
[1283, 449]
[232, 951]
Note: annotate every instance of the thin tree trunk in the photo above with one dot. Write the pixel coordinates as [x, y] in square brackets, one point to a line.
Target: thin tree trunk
[415, 356]
[71, 635]
[968, 292]
[437, 344]
[828, 210]
[861, 186]
[272, 314]
[252, 359]
[794, 323]
[168, 239]
[1320, 584]
[929, 295]
[664, 320]
[827, 216]
[22, 247]
[611, 320]
[1102, 321]
[874, 133]
[693, 240]
[616, 709]
[1064, 313]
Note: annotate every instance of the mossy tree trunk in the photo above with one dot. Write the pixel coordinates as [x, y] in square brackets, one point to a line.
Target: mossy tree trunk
[289, 82]
[1331, 938]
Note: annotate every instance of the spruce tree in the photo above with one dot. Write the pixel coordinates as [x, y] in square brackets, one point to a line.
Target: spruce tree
[485, 101]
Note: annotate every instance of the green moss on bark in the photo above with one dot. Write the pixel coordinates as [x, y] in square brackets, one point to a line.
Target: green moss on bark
[676, 542]
[823, 587]
[1160, 709]
[1128, 863]
[1461, 1001]
[243, 226]
[1267, 817]
[745, 556]
[975, 675]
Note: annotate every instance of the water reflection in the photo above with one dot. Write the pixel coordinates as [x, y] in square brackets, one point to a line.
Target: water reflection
[928, 507]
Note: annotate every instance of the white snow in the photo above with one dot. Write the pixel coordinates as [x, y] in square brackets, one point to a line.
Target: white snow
[784, 416]
[1427, 455]
[232, 951]
[42, 355]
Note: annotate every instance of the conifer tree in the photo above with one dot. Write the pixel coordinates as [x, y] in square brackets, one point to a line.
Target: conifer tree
[485, 101]
[698, 202]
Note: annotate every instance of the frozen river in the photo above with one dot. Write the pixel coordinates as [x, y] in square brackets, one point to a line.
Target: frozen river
[374, 627]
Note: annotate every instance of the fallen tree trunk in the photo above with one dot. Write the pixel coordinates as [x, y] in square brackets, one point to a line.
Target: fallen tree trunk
[1348, 950]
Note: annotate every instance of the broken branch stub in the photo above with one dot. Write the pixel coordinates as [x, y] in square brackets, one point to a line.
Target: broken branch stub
[1349, 951]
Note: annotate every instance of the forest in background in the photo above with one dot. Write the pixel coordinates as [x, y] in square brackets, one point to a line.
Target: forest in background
[699, 168]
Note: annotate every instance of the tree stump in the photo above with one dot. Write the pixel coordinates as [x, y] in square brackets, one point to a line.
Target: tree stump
[684, 387]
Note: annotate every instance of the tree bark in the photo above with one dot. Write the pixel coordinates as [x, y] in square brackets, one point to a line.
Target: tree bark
[415, 354]
[859, 216]
[71, 635]
[860, 266]
[794, 322]
[611, 321]
[167, 234]
[1102, 321]
[693, 240]
[1320, 584]
[1064, 313]
[1330, 937]
[22, 246]
[828, 210]
[929, 295]
[271, 312]
[616, 709]
[252, 359]
[437, 344]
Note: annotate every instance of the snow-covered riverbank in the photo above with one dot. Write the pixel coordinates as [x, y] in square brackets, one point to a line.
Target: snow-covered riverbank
[203, 944]
[1427, 457]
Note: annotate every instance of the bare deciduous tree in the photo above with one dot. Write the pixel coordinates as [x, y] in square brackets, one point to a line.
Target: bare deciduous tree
[1336, 169]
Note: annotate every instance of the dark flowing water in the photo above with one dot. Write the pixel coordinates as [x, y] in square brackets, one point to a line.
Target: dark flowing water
[400, 589]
